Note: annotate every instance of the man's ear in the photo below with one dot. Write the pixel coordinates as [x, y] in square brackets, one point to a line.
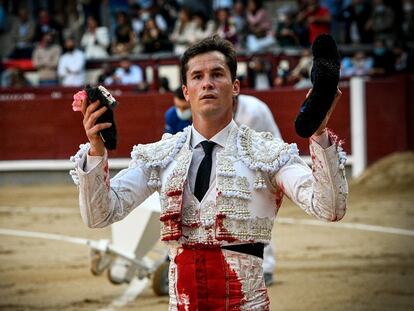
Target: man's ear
[185, 92]
[236, 87]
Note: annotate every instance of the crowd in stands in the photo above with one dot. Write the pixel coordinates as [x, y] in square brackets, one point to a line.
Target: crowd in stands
[60, 37]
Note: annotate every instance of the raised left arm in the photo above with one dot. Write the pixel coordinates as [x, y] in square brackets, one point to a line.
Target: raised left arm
[321, 191]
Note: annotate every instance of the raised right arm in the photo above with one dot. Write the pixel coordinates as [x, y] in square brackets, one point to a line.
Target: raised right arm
[103, 201]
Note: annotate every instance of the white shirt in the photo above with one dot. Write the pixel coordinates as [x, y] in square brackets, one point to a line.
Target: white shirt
[255, 114]
[133, 76]
[96, 43]
[71, 68]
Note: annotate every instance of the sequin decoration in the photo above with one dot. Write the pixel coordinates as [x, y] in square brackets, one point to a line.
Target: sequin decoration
[160, 153]
[256, 229]
[191, 215]
[234, 187]
[260, 151]
[176, 180]
[236, 207]
[225, 166]
[154, 179]
[259, 181]
[208, 214]
[171, 198]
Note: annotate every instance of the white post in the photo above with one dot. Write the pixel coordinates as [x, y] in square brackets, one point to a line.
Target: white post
[358, 126]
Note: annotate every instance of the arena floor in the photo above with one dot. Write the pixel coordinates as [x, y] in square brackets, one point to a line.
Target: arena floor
[318, 268]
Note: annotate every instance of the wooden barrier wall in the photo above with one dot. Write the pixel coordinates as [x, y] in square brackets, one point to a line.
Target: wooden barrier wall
[389, 124]
[37, 126]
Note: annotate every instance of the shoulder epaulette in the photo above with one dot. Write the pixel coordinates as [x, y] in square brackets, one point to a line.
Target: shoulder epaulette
[160, 153]
[261, 151]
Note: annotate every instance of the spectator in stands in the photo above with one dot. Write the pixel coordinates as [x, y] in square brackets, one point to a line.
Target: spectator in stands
[301, 26]
[304, 80]
[109, 12]
[282, 73]
[45, 59]
[259, 24]
[335, 8]
[403, 61]
[285, 30]
[73, 21]
[22, 34]
[158, 18]
[240, 21]
[107, 71]
[125, 40]
[203, 27]
[179, 116]
[47, 24]
[137, 19]
[225, 26]
[153, 39]
[127, 74]
[304, 64]
[168, 10]
[260, 73]
[183, 32]
[139, 16]
[317, 19]
[383, 59]
[407, 27]
[355, 16]
[14, 77]
[95, 41]
[164, 86]
[381, 22]
[71, 67]
[359, 65]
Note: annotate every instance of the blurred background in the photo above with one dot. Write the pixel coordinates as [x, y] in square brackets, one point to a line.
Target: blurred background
[52, 49]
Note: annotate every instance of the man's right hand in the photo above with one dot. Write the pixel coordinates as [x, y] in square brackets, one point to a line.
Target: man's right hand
[90, 114]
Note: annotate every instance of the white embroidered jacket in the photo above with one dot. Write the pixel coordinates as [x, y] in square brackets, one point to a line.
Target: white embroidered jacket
[253, 172]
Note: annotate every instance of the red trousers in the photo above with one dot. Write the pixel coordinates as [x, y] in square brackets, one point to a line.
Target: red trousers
[206, 282]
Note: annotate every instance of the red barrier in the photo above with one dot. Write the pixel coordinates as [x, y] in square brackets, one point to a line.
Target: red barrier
[387, 108]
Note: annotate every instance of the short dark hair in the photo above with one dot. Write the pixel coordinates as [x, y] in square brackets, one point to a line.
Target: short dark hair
[210, 44]
[178, 92]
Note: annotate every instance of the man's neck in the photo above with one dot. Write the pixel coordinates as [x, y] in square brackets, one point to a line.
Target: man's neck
[209, 128]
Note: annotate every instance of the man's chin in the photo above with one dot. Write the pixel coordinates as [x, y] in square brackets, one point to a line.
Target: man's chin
[211, 112]
[214, 114]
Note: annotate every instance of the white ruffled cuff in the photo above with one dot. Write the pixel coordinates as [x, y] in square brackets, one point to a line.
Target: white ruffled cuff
[78, 159]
